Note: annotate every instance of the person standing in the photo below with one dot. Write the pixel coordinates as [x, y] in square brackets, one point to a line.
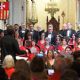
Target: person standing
[33, 32]
[51, 34]
[9, 44]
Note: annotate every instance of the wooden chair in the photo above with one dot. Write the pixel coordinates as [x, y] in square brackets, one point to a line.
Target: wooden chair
[54, 22]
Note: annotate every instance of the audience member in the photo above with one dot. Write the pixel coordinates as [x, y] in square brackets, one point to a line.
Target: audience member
[22, 66]
[9, 44]
[3, 75]
[8, 65]
[69, 75]
[38, 72]
[50, 59]
[20, 75]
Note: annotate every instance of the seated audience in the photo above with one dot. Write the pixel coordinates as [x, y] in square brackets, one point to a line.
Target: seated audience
[20, 75]
[8, 65]
[22, 66]
[3, 75]
[76, 64]
[59, 67]
[69, 75]
[37, 66]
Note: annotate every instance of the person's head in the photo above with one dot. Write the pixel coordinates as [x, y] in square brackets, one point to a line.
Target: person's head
[73, 37]
[3, 75]
[50, 54]
[69, 60]
[20, 75]
[29, 36]
[31, 27]
[22, 65]
[59, 62]
[16, 27]
[37, 64]
[69, 25]
[56, 53]
[64, 41]
[8, 62]
[50, 28]
[10, 30]
[42, 35]
[38, 28]
[68, 50]
[58, 37]
[65, 26]
[33, 43]
[69, 74]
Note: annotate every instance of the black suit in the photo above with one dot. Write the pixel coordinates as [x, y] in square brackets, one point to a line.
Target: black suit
[78, 34]
[34, 36]
[71, 32]
[9, 45]
[53, 37]
[62, 33]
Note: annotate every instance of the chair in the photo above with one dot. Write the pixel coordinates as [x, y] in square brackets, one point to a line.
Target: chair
[54, 22]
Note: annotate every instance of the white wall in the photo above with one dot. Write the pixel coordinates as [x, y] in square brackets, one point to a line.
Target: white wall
[16, 12]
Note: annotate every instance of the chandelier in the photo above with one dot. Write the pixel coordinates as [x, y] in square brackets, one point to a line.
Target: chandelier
[34, 18]
[31, 13]
[51, 7]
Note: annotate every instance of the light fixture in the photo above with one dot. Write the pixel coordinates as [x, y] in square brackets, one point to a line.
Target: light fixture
[51, 7]
[34, 18]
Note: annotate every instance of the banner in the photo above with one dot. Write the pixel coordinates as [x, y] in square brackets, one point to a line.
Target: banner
[4, 10]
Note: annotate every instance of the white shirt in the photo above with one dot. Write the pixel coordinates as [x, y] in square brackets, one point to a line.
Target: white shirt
[49, 36]
[68, 32]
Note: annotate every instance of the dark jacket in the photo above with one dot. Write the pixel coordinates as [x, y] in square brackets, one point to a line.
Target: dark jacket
[53, 37]
[71, 33]
[34, 36]
[9, 45]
